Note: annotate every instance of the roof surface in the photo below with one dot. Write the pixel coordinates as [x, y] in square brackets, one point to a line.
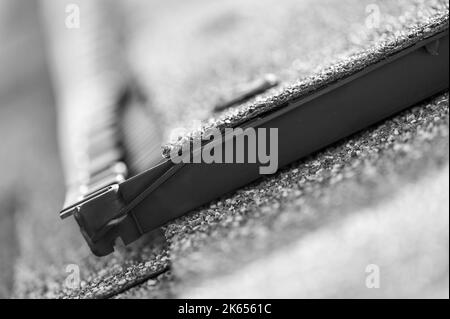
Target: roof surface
[379, 197]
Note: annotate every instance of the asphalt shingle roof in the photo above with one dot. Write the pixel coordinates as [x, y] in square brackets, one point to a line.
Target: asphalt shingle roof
[184, 68]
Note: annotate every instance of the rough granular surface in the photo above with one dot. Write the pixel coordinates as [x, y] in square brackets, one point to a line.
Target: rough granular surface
[409, 32]
[324, 189]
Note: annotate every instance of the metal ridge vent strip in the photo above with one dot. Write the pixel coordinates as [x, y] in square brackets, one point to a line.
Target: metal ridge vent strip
[398, 77]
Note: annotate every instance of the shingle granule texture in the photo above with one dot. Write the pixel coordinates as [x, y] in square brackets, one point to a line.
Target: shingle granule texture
[391, 43]
[363, 171]
[406, 240]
